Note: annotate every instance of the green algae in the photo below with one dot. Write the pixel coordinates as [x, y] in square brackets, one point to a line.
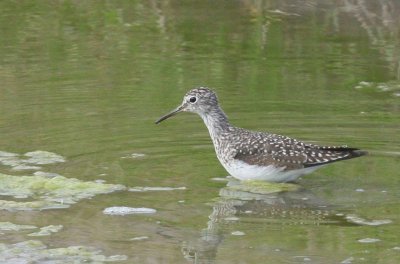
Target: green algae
[47, 230]
[146, 189]
[7, 154]
[263, 187]
[253, 190]
[41, 157]
[29, 160]
[34, 251]
[26, 206]
[8, 226]
[48, 193]
[43, 231]
[124, 210]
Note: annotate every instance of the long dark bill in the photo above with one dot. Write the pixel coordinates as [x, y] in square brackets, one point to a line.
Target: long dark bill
[172, 113]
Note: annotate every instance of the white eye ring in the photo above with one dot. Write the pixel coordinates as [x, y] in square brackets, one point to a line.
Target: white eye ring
[193, 99]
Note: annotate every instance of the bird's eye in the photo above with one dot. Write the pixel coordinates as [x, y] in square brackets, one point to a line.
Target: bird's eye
[193, 100]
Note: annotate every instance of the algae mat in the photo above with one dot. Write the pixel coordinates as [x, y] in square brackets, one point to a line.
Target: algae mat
[37, 252]
[40, 192]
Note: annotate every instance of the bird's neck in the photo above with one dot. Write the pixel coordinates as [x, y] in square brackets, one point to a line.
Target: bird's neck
[216, 122]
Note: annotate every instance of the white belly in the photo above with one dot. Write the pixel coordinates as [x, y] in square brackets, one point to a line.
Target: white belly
[243, 171]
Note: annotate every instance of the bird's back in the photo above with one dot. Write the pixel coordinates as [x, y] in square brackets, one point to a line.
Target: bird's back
[264, 149]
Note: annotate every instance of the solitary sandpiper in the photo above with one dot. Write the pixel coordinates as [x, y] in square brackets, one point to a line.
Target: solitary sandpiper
[252, 155]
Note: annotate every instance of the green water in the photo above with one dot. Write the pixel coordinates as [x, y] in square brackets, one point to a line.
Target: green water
[87, 79]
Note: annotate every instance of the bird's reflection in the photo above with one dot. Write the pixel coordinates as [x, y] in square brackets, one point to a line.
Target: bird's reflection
[283, 202]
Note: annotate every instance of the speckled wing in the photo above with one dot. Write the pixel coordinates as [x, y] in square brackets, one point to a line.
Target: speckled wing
[320, 155]
[281, 151]
[270, 149]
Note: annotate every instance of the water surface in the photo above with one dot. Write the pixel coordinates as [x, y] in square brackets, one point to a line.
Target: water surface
[86, 80]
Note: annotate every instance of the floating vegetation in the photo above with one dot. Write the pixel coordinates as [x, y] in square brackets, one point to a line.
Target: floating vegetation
[238, 233]
[139, 238]
[368, 240]
[232, 218]
[8, 226]
[27, 206]
[34, 251]
[348, 260]
[29, 160]
[283, 13]
[43, 157]
[393, 86]
[46, 174]
[48, 193]
[47, 230]
[7, 154]
[145, 189]
[263, 187]
[44, 231]
[134, 156]
[123, 210]
[360, 221]
[46, 190]
[219, 179]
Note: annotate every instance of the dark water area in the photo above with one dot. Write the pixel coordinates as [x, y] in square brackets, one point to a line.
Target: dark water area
[82, 82]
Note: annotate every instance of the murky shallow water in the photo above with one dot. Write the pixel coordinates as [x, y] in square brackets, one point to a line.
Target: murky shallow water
[84, 82]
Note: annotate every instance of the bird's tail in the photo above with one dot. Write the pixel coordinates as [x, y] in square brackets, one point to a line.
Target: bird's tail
[328, 154]
[353, 152]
